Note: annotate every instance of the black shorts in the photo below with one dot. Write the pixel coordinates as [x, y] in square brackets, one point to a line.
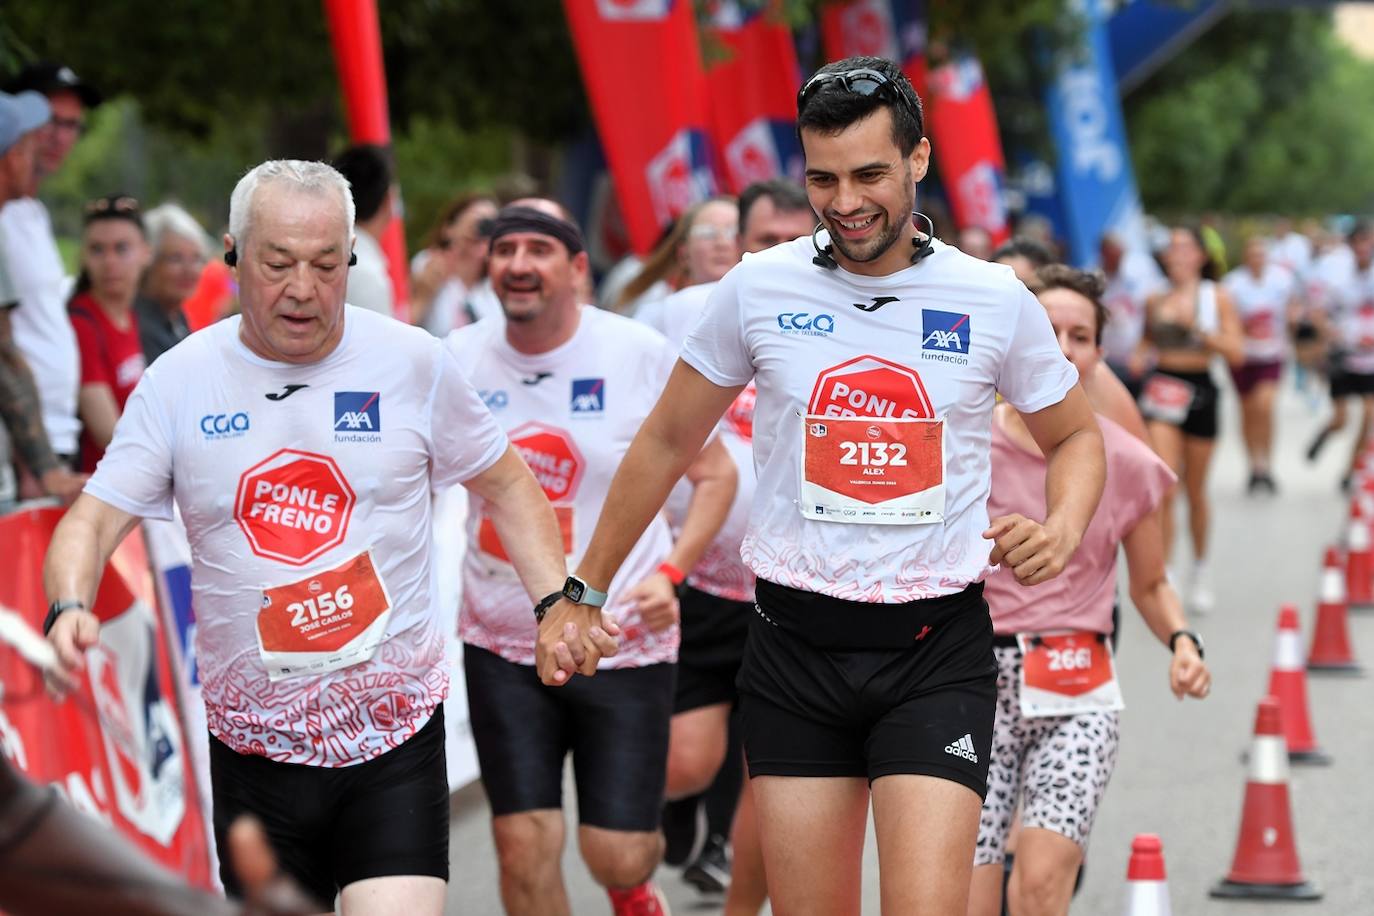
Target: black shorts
[615, 725]
[331, 826]
[1201, 419]
[925, 705]
[713, 635]
[1345, 384]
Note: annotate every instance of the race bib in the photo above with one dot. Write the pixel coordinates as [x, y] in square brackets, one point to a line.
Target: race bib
[489, 542]
[873, 471]
[1067, 674]
[1261, 326]
[1167, 399]
[334, 619]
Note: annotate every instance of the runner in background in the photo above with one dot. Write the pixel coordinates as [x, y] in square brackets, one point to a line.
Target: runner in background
[1189, 324]
[717, 599]
[302, 442]
[571, 384]
[446, 276]
[1054, 748]
[700, 248]
[1132, 277]
[878, 353]
[1265, 296]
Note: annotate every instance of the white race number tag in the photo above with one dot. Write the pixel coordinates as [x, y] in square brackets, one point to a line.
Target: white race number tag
[873, 471]
[1066, 674]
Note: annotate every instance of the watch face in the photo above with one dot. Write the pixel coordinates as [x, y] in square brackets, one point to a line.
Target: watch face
[575, 590]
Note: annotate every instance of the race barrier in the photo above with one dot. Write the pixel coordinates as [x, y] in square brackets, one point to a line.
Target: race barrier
[116, 747]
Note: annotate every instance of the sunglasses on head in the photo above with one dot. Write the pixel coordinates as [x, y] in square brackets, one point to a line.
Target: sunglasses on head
[865, 82]
[112, 205]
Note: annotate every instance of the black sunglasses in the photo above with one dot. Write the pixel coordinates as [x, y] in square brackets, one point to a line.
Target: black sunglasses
[865, 82]
[122, 205]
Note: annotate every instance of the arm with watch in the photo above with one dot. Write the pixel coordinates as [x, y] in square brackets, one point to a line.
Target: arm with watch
[667, 443]
[1162, 610]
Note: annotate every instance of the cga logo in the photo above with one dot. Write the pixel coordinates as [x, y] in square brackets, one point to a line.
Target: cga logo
[806, 324]
[495, 399]
[224, 425]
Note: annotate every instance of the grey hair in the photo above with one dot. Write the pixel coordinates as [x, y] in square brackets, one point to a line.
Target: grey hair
[303, 175]
[170, 219]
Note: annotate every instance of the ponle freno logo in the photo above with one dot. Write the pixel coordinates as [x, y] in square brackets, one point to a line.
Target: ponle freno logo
[869, 386]
[293, 506]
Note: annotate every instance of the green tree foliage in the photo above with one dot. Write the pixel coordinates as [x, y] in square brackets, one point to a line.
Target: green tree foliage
[1269, 112]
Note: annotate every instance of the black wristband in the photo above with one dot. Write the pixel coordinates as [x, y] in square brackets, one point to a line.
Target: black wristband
[1197, 641]
[545, 603]
[55, 610]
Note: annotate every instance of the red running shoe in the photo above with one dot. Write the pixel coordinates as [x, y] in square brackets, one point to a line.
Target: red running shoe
[645, 900]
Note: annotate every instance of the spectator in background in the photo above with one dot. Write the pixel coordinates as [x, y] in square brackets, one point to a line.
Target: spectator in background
[975, 242]
[28, 250]
[180, 248]
[21, 118]
[114, 253]
[702, 248]
[1132, 277]
[445, 276]
[1025, 256]
[369, 173]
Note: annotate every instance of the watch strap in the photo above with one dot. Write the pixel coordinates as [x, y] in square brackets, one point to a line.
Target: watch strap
[544, 604]
[578, 591]
[1196, 639]
[55, 610]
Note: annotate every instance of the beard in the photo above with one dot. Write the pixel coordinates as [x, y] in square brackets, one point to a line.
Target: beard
[889, 232]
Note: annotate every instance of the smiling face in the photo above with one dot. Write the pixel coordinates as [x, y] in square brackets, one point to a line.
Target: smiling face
[292, 274]
[1075, 325]
[864, 190]
[533, 275]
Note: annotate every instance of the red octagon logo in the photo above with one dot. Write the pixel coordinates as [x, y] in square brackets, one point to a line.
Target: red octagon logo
[868, 386]
[553, 457]
[294, 506]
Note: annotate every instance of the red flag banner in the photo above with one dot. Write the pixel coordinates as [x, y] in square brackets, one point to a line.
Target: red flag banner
[115, 748]
[642, 70]
[753, 94]
[967, 146]
[859, 27]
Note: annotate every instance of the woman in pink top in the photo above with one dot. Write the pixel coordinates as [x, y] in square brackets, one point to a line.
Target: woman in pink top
[1055, 739]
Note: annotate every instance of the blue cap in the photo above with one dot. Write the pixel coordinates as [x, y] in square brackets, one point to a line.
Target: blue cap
[20, 114]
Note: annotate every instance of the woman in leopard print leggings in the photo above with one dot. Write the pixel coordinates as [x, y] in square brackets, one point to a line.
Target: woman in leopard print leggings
[1055, 744]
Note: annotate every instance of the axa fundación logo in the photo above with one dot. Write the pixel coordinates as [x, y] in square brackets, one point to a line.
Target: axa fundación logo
[357, 416]
[945, 336]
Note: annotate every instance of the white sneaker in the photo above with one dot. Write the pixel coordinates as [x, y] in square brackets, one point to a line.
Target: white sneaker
[1200, 599]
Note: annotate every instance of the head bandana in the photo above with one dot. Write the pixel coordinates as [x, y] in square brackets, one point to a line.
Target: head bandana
[528, 219]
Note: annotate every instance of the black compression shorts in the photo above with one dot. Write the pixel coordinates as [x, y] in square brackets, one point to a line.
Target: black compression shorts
[615, 725]
[926, 707]
[331, 826]
[713, 634]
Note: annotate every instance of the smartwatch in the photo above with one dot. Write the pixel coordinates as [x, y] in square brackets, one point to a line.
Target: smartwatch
[1197, 641]
[55, 610]
[579, 592]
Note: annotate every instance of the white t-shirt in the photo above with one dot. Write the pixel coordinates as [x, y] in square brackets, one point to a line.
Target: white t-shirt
[1262, 303]
[571, 413]
[1352, 300]
[721, 571]
[369, 283]
[286, 491]
[1293, 251]
[833, 351]
[1136, 279]
[42, 331]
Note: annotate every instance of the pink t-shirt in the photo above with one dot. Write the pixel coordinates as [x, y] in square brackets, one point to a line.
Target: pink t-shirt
[1081, 597]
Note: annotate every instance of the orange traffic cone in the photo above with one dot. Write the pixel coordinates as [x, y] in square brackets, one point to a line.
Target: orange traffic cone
[1288, 683]
[1266, 861]
[1331, 652]
[1359, 559]
[1147, 892]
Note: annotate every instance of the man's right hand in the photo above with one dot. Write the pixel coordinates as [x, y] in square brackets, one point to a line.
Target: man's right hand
[62, 484]
[72, 634]
[573, 638]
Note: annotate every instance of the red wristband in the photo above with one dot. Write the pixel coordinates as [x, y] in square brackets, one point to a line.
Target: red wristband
[674, 574]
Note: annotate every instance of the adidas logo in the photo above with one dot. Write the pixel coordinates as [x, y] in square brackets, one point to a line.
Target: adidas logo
[963, 748]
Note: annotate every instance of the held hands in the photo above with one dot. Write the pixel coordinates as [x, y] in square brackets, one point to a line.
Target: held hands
[1188, 673]
[1034, 552]
[572, 639]
[656, 599]
[72, 634]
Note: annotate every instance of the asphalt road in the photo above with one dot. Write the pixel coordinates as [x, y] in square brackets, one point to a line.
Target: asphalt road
[1179, 773]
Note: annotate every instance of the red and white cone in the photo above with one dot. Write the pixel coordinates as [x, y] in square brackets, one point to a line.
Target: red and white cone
[1288, 684]
[1266, 860]
[1359, 559]
[1331, 652]
[1147, 891]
